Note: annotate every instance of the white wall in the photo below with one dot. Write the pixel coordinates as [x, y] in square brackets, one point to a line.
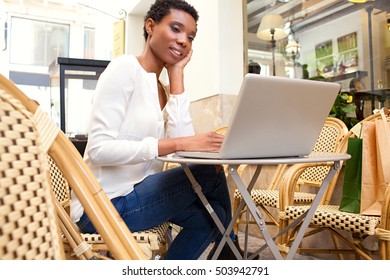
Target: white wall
[134, 34]
[231, 46]
[217, 64]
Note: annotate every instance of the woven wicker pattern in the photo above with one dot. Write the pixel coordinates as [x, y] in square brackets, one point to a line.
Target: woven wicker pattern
[271, 197]
[330, 216]
[27, 222]
[326, 142]
[93, 238]
[142, 237]
[60, 188]
[160, 232]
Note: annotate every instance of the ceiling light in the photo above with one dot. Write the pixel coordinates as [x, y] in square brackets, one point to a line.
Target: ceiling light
[357, 1]
[293, 48]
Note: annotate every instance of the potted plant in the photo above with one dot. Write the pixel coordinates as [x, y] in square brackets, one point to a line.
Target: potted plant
[344, 109]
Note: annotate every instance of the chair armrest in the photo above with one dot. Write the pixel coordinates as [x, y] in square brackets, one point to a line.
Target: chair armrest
[290, 180]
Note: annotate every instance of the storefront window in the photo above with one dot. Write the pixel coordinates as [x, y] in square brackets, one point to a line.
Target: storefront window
[37, 43]
[89, 43]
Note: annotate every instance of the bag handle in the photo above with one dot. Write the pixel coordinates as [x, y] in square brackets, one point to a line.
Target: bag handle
[357, 128]
[384, 113]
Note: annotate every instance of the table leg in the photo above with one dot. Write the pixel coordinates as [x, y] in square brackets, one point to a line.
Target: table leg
[241, 206]
[225, 233]
[310, 213]
[257, 216]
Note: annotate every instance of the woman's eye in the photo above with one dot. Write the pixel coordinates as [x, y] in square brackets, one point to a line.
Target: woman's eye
[191, 39]
[175, 29]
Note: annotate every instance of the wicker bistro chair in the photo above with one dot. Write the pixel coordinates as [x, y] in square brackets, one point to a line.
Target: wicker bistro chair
[152, 242]
[330, 218]
[115, 233]
[331, 139]
[28, 223]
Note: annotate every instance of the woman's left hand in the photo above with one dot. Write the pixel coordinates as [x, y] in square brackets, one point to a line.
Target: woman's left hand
[176, 74]
[180, 64]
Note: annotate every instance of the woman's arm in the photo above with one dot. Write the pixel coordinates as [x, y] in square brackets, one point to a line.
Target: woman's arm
[176, 74]
[179, 120]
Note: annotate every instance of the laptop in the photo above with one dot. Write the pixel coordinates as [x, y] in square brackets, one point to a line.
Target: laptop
[274, 117]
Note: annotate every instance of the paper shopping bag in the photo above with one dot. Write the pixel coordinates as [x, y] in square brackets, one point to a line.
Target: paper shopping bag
[383, 148]
[373, 182]
[350, 199]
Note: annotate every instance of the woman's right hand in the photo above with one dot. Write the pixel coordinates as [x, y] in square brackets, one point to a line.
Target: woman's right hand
[209, 141]
[203, 142]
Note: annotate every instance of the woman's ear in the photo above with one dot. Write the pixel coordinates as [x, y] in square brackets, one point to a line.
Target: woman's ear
[149, 26]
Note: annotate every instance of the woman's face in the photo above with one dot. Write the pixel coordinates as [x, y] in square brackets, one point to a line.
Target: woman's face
[171, 39]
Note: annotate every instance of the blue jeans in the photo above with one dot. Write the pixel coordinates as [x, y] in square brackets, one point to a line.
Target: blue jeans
[168, 196]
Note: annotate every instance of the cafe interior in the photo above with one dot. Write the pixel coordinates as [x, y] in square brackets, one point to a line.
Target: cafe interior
[53, 52]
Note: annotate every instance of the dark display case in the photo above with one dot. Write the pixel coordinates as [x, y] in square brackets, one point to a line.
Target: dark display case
[72, 86]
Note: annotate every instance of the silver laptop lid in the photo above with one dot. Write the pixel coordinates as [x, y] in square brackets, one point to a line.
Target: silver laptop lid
[277, 117]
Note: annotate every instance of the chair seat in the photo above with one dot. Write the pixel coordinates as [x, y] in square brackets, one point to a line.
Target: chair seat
[160, 232]
[141, 236]
[271, 197]
[330, 216]
[153, 242]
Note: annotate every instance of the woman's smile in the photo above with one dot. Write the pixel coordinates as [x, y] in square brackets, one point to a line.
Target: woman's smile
[176, 52]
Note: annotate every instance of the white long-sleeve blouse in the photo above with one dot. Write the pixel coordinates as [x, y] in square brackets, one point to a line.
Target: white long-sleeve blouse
[126, 123]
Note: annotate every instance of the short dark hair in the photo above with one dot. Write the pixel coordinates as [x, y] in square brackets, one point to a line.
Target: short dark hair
[161, 8]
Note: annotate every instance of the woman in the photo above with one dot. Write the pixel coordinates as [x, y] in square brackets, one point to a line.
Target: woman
[135, 118]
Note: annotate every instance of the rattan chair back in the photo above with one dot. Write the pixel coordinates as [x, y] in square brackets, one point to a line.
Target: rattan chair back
[97, 205]
[332, 139]
[28, 228]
